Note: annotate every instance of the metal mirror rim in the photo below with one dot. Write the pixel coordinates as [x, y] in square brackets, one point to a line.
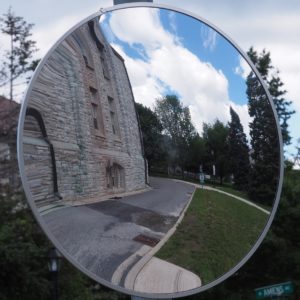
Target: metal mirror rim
[28, 192]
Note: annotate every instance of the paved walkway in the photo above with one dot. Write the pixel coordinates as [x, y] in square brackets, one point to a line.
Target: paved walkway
[101, 236]
[153, 275]
[228, 194]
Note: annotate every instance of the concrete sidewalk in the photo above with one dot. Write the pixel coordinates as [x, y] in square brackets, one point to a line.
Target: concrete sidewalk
[159, 276]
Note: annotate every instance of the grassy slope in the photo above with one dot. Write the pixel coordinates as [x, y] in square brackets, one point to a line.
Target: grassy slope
[216, 232]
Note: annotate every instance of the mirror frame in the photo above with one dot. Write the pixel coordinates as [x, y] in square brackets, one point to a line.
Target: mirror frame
[39, 218]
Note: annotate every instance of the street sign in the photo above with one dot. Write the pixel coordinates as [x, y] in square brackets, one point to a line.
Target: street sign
[281, 289]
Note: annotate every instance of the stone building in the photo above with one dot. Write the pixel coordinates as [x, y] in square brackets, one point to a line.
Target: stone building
[82, 139]
[9, 172]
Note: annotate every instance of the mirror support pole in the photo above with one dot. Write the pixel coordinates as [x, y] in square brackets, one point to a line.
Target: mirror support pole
[116, 2]
[140, 298]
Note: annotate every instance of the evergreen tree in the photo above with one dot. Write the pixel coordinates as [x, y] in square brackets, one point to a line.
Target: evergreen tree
[281, 104]
[296, 162]
[264, 142]
[17, 60]
[274, 84]
[238, 152]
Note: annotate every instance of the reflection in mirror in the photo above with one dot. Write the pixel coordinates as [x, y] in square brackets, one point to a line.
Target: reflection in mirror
[175, 200]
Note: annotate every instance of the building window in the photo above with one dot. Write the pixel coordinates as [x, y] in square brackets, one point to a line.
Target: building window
[85, 52]
[113, 116]
[94, 95]
[96, 111]
[100, 47]
[104, 65]
[95, 115]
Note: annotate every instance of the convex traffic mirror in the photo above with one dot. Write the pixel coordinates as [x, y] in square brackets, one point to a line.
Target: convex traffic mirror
[150, 152]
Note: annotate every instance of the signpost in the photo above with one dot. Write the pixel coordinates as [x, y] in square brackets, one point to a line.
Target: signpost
[201, 178]
[275, 291]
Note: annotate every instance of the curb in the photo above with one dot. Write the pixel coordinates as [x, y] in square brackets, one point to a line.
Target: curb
[136, 269]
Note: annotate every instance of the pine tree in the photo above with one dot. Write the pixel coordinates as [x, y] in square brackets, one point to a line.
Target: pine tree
[296, 162]
[281, 104]
[238, 152]
[274, 84]
[264, 141]
[17, 60]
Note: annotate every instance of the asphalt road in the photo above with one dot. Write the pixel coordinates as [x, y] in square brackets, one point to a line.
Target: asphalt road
[99, 236]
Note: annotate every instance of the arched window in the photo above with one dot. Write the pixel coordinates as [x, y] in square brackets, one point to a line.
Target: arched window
[32, 116]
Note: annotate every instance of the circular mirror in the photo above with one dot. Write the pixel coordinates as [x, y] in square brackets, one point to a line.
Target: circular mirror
[150, 152]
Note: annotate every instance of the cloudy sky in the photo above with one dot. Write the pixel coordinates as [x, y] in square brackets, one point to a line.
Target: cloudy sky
[268, 24]
[182, 56]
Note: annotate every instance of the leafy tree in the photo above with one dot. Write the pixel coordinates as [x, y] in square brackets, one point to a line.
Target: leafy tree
[197, 153]
[21, 251]
[177, 126]
[216, 139]
[238, 152]
[264, 138]
[17, 60]
[152, 135]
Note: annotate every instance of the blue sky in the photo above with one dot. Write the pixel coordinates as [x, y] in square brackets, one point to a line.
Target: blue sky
[198, 43]
[215, 50]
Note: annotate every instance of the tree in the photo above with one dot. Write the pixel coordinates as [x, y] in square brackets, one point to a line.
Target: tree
[296, 162]
[274, 84]
[197, 153]
[216, 139]
[17, 61]
[177, 126]
[152, 135]
[264, 139]
[238, 152]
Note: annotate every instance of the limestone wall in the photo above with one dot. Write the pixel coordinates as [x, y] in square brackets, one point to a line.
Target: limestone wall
[81, 77]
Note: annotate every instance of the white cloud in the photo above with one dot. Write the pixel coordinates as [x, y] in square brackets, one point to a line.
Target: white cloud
[140, 24]
[275, 26]
[170, 66]
[172, 20]
[209, 37]
[243, 69]
[145, 88]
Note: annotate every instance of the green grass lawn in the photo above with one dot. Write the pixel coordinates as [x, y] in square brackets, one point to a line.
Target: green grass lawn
[216, 232]
[241, 194]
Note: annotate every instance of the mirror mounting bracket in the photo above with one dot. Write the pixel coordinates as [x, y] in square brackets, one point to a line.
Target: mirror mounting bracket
[116, 2]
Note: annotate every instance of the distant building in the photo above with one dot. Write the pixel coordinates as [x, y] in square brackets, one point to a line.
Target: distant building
[9, 172]
[81, 134]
